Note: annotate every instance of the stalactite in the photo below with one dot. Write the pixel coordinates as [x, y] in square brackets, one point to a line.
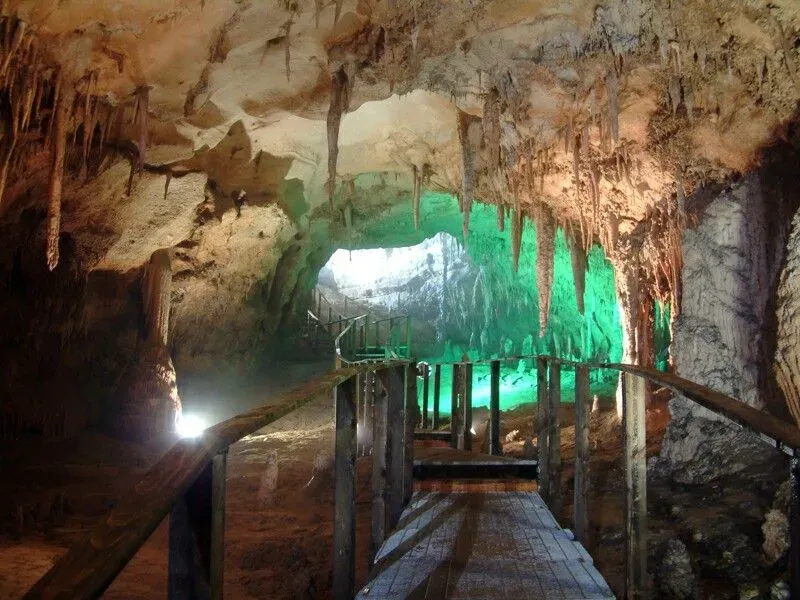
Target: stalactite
[166, 184]
[338, 106]
[288, 47]
[337, 10]
[501, 217]
[415, 196]
[577, 255]
[517, 224]
[545, 244]
[674, 90]
[576, 166]
[62, 108]
[612, 87]
[491, 128]
[469, 137]
[156, 290]
[89, 115]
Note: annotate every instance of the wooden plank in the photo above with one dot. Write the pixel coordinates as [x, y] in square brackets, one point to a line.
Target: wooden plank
[467, 398]
[411, 412]
[494, 409]
[425, 381]
[454, 409]
[583, 408]
[794, 528]
[437, 388]
[344, 523]
[635, 448]
[554, 437]
[394, 385]
[543, 429]
[379, 453]
[189, 563]
[219, 468]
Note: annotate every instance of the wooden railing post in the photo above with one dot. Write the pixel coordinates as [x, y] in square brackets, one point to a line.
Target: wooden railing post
[411, 412]
[543, 429]
[379, 454]
[197, 536]
[392, 379]
[426, 372]
[794, 526]
[467, 399]
[454, 420]
[633, 415]
[408, 337]
[437, 388]
[494, 410]
[583, 407]
[368, 382]
[344, 524]
[554, 438]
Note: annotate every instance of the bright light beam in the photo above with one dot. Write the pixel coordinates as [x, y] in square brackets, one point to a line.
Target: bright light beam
[190, 426]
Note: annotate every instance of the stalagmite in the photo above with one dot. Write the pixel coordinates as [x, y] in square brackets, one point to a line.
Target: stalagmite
[577, 255]
[415, 196]
[545, 241]
[62, 108]
[339, 103]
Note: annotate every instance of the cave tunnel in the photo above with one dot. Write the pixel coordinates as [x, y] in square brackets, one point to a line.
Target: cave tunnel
[583, 216]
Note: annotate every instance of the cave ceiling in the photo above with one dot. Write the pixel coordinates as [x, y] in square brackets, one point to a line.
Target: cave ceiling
[604, 114]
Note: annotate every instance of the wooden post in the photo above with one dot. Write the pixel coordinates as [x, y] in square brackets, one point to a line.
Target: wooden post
[368, 380]
[437, 388]
[425, 381]
[633, 407]
[197, 537]
[344, 525]
[543, 422]
[408, 337]
[379, 453]
[583, 407]
[454, 409]
[794, 527]
[467, 398]
[494, 410]
[392, 379]
[554, 438]
[411, 412]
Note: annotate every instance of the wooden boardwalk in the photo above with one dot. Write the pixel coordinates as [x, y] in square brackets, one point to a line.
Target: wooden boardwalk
[482, 545]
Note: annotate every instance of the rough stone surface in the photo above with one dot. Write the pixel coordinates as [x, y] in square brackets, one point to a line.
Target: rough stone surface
[717, 337]
[776, 535]
[787, 353]
[675, 577]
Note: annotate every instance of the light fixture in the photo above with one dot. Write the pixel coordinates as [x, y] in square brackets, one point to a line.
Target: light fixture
[190, 426]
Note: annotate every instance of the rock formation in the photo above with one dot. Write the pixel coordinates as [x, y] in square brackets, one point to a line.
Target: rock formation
[244, 136]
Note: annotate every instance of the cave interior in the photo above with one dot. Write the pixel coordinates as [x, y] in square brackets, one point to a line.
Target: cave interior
[601, 182]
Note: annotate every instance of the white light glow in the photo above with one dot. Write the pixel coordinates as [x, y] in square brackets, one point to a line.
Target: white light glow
[190, 426]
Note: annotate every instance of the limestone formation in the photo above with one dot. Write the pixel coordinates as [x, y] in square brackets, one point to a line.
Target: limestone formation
[787, 353]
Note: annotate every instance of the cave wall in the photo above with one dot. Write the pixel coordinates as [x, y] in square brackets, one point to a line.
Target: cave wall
[726, 332]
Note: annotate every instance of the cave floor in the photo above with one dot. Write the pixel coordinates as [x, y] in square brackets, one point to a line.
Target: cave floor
[280, 499]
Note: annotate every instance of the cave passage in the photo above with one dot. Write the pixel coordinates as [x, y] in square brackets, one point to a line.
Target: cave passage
[466, 299]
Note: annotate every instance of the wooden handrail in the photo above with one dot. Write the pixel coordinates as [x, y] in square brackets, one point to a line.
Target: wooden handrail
[90, 566]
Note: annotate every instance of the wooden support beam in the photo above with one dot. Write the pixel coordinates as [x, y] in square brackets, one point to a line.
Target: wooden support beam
[379, 453]
[393, 381]
[344, 523]
[368, 379]
[425, 382]
[554, 438]
[543, 427]
[197, 536]
[794, 527]
[437, 388]
[583, 408]
[494, 410]
[633, 407]
[454, 409]
[467, 400]
[411, 413]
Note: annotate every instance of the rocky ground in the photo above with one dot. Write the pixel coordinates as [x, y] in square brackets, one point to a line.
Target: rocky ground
[706, 542]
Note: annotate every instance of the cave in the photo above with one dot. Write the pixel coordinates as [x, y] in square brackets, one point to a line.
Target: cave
[526, 208]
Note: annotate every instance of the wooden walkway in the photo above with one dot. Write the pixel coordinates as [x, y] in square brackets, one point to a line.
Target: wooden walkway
[482, 545]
